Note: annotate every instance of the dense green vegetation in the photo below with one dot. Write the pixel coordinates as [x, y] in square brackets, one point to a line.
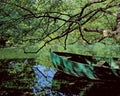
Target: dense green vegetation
[30, 28]
[36, 26]
[25, 23]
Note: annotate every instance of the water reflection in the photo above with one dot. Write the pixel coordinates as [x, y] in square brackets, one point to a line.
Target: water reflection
[85, 87]
[53, 83]
[44, 78]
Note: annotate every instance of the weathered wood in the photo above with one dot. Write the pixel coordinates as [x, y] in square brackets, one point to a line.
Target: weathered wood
[86, 66]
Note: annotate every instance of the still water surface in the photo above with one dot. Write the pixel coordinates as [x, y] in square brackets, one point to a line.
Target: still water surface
[50, 82]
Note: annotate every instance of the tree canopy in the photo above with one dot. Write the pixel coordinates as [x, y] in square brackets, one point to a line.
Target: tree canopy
[50, 22]
[26, 22]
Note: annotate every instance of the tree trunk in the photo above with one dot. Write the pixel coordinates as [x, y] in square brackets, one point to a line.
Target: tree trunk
[118, 23]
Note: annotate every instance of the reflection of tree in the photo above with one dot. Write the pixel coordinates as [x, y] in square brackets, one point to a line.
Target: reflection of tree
[16, 76]
[30, 24]
[88, 86]
[85, 87]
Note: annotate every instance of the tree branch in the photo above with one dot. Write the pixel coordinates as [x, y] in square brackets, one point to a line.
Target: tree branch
[93, 30]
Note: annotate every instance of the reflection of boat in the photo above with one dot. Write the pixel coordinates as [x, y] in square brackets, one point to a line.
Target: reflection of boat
[70, 85]
[97, 68]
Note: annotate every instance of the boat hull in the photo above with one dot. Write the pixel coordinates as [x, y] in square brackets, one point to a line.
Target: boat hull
[84, 66]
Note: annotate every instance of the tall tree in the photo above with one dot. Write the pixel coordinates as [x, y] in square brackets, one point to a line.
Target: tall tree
[47, 20]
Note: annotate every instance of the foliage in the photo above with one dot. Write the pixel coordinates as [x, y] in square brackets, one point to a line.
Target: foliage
[62, 25]
[27, 22]
[18, 74]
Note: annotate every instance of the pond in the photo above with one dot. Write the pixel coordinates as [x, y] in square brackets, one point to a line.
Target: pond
[49, 82]
[16, 77]
[54, 83]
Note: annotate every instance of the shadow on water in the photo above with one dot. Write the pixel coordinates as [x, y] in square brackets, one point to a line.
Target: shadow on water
[85, 87]
[52, 83]
[16, 77]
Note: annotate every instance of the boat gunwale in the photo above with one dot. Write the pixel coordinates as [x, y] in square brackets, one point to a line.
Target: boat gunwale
[95, 65]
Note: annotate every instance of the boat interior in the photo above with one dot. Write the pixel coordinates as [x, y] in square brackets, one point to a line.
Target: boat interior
[86, 59]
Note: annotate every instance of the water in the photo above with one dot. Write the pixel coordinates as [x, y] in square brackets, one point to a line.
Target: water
[44, 84]
[50, 82]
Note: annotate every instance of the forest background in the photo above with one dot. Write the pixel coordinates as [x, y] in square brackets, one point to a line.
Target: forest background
[33, 28]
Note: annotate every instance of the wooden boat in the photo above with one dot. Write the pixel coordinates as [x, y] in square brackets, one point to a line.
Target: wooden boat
[95, 68]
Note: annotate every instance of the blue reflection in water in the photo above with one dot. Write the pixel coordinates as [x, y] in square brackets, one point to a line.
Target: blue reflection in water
[43, 85]
[81, 86]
